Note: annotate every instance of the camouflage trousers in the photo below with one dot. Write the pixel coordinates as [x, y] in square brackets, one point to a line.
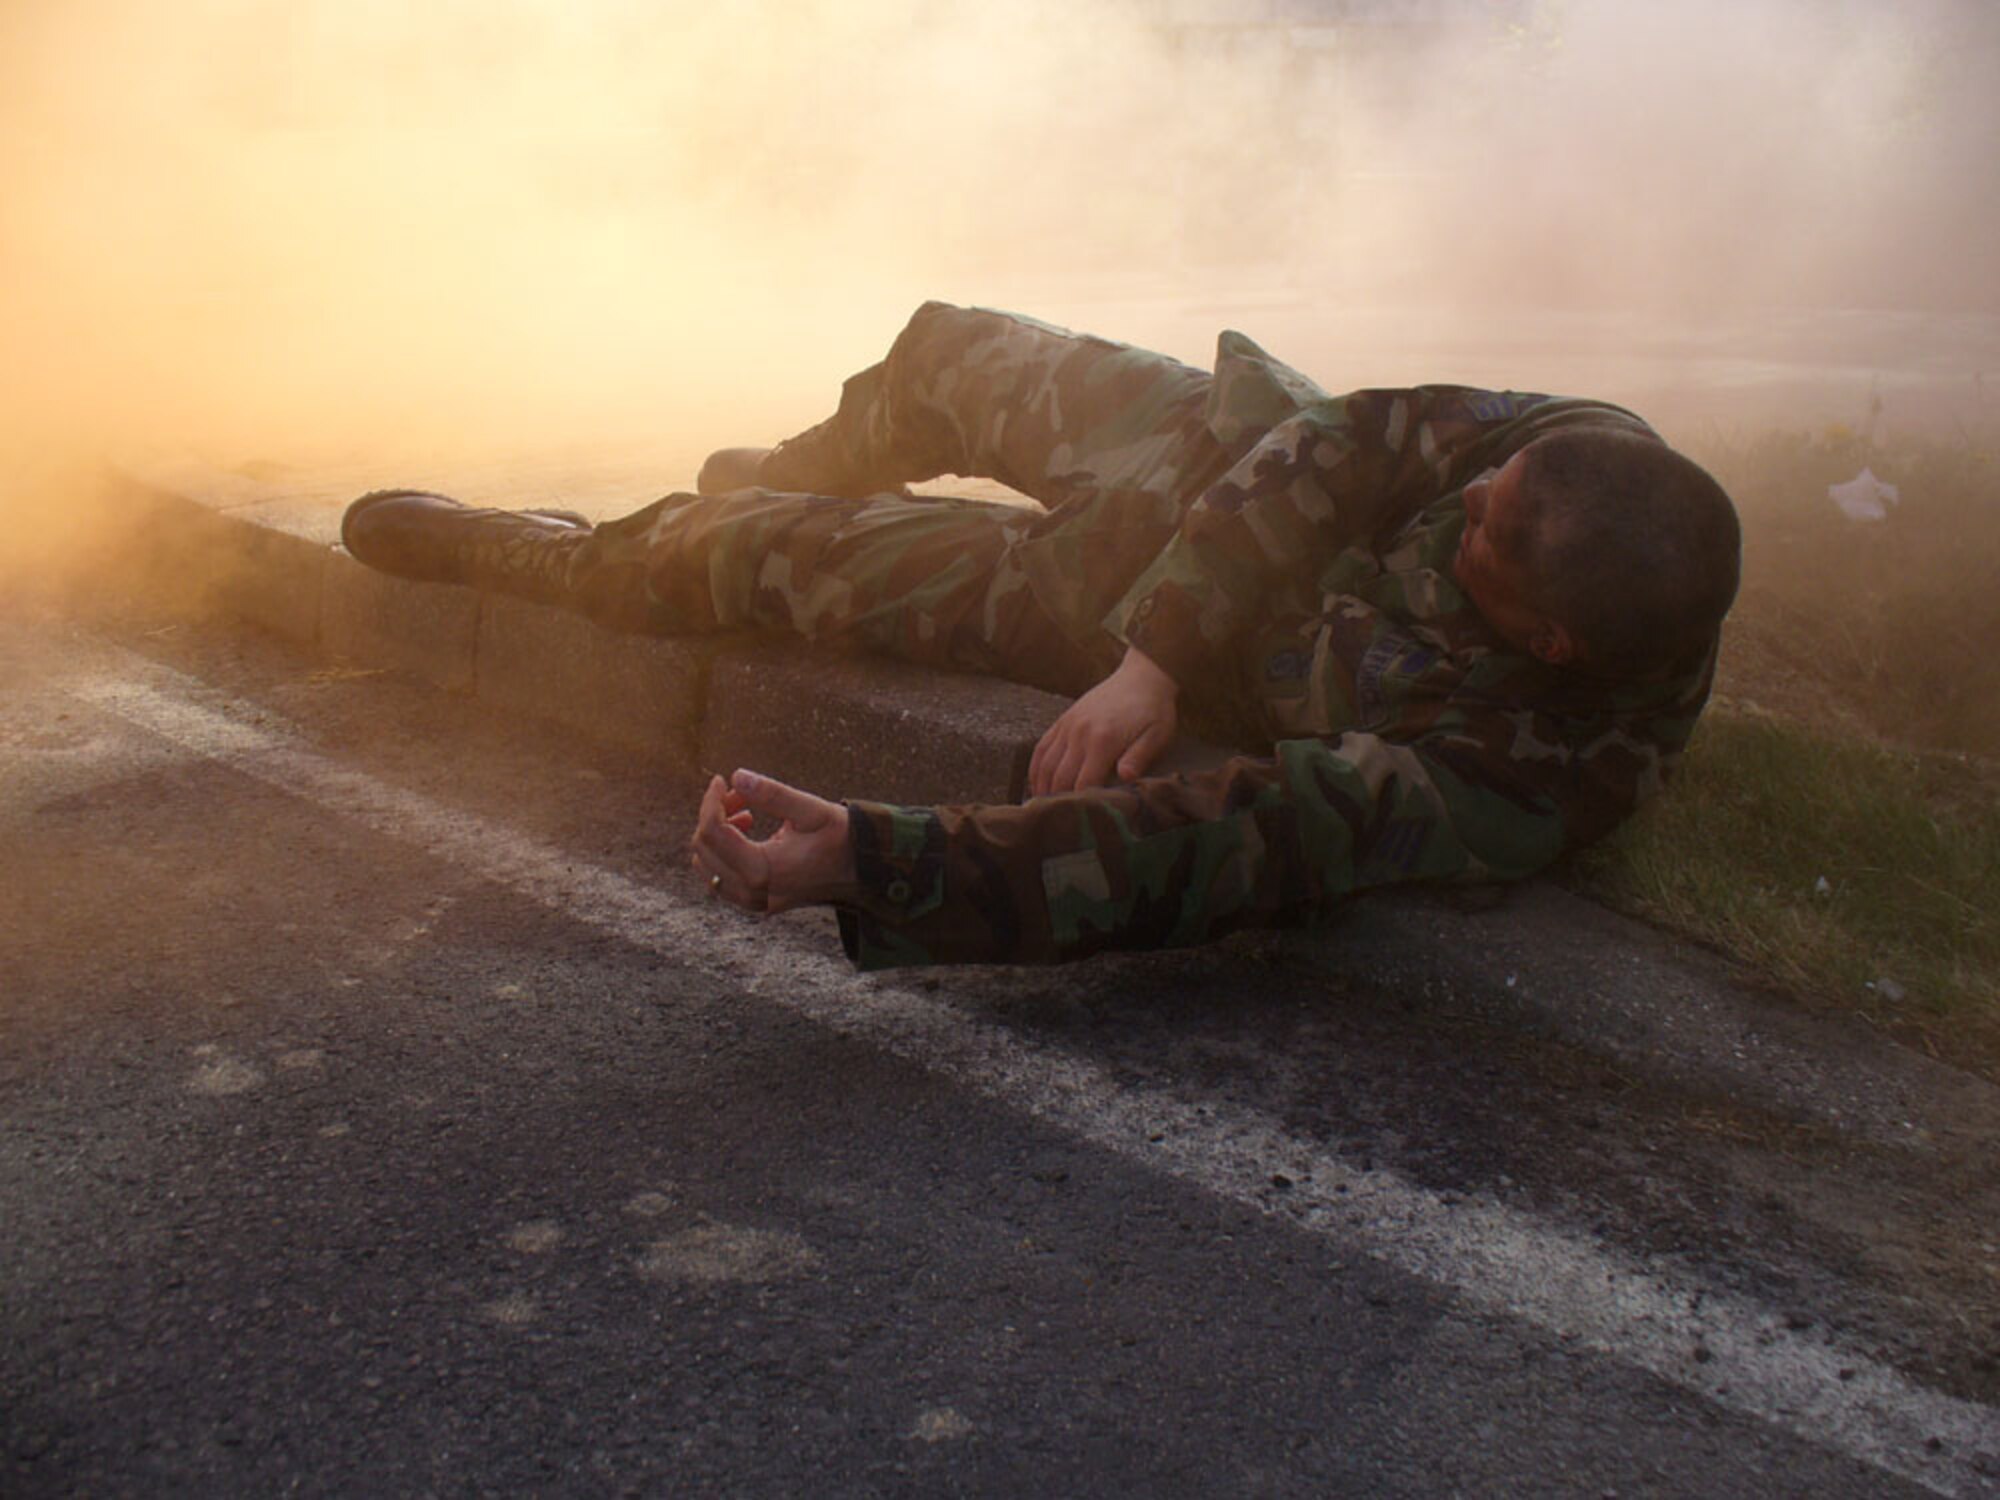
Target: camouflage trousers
[1111, 440]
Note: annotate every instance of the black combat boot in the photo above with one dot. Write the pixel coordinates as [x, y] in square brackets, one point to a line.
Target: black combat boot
[414, 534]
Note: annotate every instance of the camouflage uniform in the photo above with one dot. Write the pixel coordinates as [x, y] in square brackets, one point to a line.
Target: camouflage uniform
[1284, 554]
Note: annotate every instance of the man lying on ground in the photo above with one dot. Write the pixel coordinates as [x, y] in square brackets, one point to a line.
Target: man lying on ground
[1474, 629]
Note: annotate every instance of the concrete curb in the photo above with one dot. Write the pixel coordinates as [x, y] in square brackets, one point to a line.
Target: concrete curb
[1534, 957]
[824, 719]
[380, 621]
[921, 736]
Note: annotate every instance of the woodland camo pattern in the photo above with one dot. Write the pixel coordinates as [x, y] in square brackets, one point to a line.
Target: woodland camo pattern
[1284, 553]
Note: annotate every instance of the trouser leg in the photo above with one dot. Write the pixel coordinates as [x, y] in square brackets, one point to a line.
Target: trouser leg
[1053, 414]
[926, 580]
[1112, 439]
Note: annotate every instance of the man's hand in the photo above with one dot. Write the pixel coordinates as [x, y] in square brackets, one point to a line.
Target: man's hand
[806, 860]
[1122, 724]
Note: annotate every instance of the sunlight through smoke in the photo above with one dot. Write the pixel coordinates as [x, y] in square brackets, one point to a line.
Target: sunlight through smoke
[320, 226]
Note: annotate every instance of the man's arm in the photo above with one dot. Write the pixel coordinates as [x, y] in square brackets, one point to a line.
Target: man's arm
[1176, 861]
[1161, 863]
[1319, 480]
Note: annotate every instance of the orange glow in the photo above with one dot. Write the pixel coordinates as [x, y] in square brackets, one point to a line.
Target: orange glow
[323, 226]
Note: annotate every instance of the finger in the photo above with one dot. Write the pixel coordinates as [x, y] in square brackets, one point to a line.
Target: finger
[711, 807]
[719, 849]
[1136, 761]
[1046, 750]
[1042, 768]
[721, 842]
[722, 837]
[1052, 772]
[1095, 769]
[725, 849]
[714, 882]
[767, 795]
[1069, 770]
[1060, 743]
[730, 882]
[721, 807]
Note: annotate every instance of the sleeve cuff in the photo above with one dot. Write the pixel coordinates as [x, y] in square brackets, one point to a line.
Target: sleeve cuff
[898, 860]
[1166, 625]
[871, 944]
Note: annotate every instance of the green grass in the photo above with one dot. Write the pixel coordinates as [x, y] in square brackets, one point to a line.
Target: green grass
[1832, 866]
[1836, 822]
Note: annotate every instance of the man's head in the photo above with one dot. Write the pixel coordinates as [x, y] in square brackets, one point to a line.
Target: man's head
[1602, 548]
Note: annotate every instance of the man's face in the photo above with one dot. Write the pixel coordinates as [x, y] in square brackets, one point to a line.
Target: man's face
[1489, 566]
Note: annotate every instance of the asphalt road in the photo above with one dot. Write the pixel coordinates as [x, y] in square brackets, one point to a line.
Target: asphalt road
[383, 1111]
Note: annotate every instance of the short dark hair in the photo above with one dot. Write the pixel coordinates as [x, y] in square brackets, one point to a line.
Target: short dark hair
[1633, 547]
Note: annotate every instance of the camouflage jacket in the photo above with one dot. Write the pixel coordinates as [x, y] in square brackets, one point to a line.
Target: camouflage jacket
[1411, 742]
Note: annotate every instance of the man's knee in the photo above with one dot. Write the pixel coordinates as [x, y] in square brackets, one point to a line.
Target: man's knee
[944, 335]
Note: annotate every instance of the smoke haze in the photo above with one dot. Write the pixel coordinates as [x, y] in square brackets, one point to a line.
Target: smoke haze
[323, 226]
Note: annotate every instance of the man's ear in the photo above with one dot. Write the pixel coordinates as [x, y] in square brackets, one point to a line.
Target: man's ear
[1551, 642]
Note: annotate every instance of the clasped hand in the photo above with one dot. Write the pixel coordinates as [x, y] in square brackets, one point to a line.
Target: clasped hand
[1120, 726]
[807, 860]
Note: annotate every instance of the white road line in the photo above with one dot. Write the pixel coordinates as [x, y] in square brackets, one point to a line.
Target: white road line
[1493, 1258]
